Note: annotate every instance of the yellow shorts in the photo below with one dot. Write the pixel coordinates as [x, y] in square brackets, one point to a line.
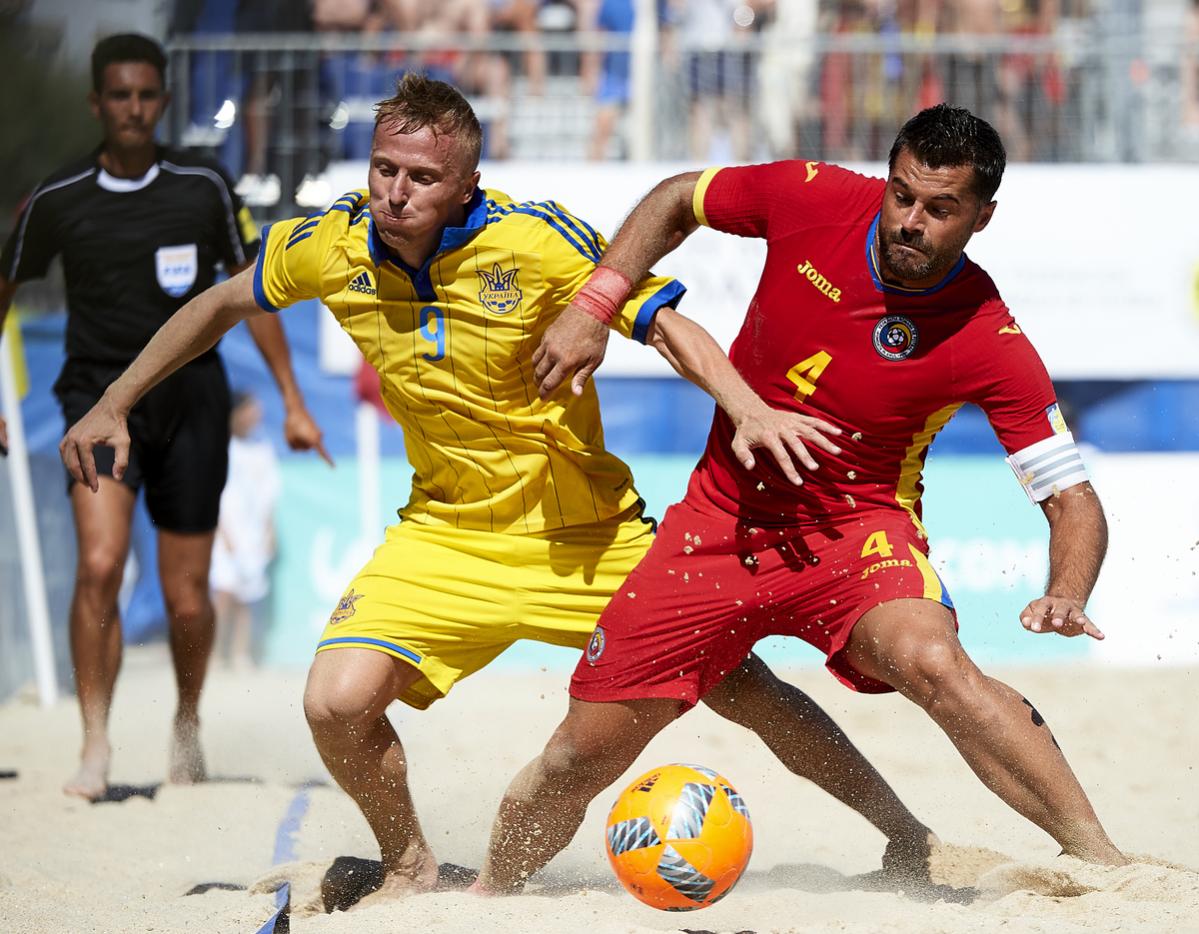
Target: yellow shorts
[448, 600]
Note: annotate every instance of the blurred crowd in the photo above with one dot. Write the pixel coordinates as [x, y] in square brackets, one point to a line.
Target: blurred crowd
[732, 79]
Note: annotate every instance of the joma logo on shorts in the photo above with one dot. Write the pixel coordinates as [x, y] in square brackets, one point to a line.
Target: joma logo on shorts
[889, 563]
[808, 271]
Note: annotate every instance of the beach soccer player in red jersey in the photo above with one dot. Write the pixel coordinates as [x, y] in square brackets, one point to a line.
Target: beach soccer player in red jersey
[870, 316]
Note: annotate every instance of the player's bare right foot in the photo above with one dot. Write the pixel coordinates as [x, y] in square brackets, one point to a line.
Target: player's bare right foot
[91, 781]
[403, 883]
[186, 757]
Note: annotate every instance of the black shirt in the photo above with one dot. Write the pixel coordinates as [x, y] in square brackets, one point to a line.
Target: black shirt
[133, 250]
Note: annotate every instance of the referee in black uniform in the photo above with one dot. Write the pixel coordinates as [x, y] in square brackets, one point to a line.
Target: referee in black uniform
[142, 229]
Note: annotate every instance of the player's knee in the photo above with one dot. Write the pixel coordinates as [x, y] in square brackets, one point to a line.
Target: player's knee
[333, 710]
[100, 569]
[188, 606]
[573, 762]
[933, 673]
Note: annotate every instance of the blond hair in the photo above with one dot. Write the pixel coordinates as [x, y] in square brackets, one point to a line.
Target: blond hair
[420, 101]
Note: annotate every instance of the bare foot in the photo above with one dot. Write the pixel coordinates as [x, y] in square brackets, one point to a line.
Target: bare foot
[91, 781]
[187, 759]
[397, 885]
[906, 860]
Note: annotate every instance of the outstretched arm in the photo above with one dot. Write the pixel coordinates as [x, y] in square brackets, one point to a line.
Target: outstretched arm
[695, 355]
[1077, 545]
[574, 345]
[193, 329]
[299, 427]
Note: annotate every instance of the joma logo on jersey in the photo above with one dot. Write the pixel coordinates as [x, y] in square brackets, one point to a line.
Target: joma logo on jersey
[808, 271]
[499, 293]
[889, 563]
[362, 283]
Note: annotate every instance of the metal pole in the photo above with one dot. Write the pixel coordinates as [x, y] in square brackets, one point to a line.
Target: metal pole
[32, 575]
[642, 69]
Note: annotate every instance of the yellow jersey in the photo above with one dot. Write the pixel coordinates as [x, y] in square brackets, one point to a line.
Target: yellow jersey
[453, 343]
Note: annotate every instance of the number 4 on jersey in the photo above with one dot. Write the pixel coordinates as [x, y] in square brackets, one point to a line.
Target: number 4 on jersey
[877, 544]
[805, 373]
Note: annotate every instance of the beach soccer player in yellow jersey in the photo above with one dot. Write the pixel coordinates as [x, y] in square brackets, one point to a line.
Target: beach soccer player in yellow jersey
[520, 525]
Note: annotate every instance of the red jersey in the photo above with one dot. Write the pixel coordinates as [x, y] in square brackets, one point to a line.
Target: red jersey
[826, 337]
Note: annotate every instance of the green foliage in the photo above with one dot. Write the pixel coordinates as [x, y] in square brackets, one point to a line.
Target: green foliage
[46, 118]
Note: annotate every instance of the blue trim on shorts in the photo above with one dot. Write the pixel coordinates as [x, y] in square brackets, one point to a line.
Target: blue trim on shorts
[407, 653]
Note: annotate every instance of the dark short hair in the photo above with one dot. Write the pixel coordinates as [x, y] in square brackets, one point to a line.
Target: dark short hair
[126, 47]
[950, 136]
[420, 101]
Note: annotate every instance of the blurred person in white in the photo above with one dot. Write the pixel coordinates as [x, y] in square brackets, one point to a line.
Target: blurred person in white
[785, 69]
[718, 72]
[245, 542]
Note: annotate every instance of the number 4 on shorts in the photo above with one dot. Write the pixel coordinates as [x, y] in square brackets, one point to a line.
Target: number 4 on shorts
[877, 544]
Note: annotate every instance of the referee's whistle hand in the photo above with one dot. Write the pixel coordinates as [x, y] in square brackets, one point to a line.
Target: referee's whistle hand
[573, 348]
[302, 433]
[102, 425]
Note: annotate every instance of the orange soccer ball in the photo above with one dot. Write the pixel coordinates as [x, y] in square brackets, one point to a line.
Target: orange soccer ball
[679, 837]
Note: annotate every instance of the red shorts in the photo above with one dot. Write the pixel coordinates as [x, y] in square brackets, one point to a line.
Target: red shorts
[711, 587]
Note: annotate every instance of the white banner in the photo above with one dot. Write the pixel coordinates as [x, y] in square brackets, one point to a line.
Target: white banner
[1100, 264]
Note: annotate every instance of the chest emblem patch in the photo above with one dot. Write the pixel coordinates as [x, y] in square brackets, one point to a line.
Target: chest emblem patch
[176, 267]
[499, 293]
[895, 337]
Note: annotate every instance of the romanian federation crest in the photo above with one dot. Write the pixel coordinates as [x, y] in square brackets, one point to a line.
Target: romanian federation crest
[345, 607]
[499, 293]
[895, 337]
[595, 647]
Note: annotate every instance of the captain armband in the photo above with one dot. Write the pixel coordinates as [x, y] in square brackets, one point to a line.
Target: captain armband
[1049, 466]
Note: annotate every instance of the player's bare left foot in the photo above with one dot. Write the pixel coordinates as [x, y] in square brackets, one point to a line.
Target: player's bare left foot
[906, 859]
[90, 782]
[186, 756]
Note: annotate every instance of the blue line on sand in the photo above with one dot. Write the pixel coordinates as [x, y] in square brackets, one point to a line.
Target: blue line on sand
[285, 852]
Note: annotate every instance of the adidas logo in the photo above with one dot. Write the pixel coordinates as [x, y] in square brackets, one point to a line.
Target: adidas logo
[362, 283]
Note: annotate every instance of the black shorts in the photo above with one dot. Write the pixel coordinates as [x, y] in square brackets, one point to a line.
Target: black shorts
[179, 436]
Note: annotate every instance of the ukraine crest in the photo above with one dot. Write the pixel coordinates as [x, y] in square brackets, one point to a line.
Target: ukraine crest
[345, 607]
[499, 293]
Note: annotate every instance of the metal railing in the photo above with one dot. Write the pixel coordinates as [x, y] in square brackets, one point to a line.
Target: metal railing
[281, 107]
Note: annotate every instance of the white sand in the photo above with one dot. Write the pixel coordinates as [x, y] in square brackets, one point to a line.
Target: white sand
[1133, 738]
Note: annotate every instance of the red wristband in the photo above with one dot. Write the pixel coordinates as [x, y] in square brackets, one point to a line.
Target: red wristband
[603, 294]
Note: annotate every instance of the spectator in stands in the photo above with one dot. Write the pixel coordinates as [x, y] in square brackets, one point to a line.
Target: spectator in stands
[718, 72]
[787, 60]
[1189, 68]
[476, 72]
[606, 74]
[520, 17]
